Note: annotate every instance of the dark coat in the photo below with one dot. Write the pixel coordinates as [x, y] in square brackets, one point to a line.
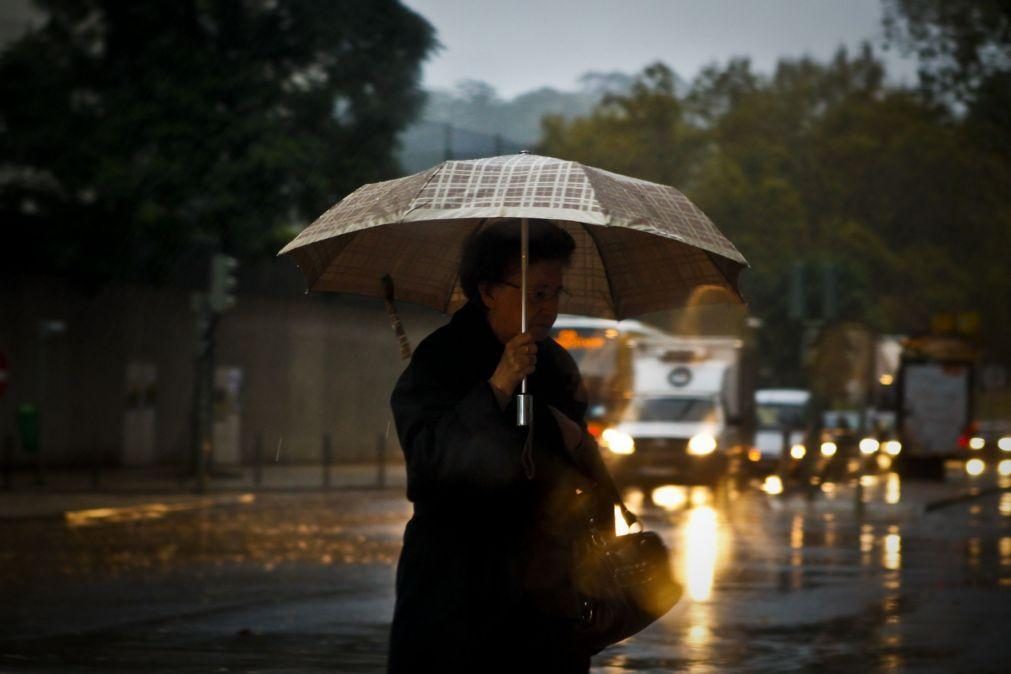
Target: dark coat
[483, 581]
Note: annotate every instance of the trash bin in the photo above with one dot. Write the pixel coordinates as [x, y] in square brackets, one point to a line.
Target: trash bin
[28, 426]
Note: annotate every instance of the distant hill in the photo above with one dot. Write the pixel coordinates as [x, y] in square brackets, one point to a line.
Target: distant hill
[472, 121]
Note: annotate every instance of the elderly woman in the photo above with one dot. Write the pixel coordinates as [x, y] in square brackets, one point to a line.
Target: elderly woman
[484, 579]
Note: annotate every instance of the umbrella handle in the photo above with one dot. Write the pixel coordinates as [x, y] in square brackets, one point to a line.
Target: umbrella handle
[524, 402]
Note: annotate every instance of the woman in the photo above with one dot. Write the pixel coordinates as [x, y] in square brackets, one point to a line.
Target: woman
[483, 582]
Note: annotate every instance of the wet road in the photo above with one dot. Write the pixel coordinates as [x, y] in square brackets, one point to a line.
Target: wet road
[303, 582]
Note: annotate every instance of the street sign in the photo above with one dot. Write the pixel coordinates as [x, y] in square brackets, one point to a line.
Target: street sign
[4, 374]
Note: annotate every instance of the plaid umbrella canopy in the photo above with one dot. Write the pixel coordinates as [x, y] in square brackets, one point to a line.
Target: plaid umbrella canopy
[640, 246]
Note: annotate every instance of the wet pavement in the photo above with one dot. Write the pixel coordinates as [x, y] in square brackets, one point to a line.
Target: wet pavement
[303, 582]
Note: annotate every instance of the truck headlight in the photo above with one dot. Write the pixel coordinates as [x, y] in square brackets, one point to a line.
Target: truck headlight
[893, 447]
[828, 449]
[1005, 443]
[869, 445]
[619, 442]
[701, 444]
[977, 443]
[798, 451]
[975, 467]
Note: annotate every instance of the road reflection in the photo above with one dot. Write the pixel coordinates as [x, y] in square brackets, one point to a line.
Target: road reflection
[700, 546]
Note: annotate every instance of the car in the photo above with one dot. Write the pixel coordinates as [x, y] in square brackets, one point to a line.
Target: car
[985, 447]
[781, 427]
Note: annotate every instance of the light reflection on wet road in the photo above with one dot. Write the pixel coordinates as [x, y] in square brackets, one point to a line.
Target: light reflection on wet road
[304, 583]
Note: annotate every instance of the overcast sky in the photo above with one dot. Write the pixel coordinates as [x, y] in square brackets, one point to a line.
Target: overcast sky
[519, 45]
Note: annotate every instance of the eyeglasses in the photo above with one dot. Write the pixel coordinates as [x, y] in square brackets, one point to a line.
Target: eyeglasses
[540, 295]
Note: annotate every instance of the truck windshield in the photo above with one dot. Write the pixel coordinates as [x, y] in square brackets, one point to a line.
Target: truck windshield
[776, 416]
[675, 409]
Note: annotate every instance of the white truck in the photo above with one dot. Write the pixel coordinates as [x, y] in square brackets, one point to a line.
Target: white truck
[672, 408]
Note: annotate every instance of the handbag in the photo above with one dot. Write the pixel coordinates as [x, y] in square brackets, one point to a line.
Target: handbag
[624, 582]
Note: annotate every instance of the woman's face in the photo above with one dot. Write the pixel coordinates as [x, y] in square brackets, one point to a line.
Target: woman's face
[503, 300]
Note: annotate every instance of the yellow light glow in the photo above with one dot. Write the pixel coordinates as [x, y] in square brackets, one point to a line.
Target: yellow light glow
[828, 449]
[570, 339]
[975, 467]
[893, 447]
[1004, 467]
[797, 532]
[702, 444]
[669, 497]
[1004, 444]
[828, 488]
[618, 442]
[977, 443]
[620, 525]
[884, 462]
[610, 333]
[893, 489]
[700, 552]
[773, 485]
[798, 452]
[886, 379]
[754, 455]
[698, 496]
[869, 445]
[893, 551]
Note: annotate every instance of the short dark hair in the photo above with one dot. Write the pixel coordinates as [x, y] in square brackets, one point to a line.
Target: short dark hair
[493, 250]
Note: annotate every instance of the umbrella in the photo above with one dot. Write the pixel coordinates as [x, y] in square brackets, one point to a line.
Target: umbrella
[640, 246]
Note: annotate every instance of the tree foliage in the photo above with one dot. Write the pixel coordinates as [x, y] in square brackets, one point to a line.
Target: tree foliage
[825, 165]
[132, 132]
[962, 45]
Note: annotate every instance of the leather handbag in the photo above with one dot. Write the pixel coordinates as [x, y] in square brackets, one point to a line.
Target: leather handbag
[624, 582]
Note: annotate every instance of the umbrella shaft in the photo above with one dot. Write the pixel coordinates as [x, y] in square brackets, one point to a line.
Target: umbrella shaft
[524, 261]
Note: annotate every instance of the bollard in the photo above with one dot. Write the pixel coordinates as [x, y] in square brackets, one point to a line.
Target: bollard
[381, 460]
[327, 460]
[258, 460]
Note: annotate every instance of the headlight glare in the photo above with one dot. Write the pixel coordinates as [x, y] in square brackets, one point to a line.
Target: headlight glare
[702, 444]
[619, 442]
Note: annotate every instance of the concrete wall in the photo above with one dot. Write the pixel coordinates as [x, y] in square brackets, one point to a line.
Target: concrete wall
[312, 364]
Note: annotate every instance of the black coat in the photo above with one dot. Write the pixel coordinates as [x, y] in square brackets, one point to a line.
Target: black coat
[483, 581]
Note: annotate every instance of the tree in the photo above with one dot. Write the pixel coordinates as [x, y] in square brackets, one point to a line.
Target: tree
[960, 44]
[880, 194]
[131, 133]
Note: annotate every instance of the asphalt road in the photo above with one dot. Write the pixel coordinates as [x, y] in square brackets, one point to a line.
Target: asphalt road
[303, 582]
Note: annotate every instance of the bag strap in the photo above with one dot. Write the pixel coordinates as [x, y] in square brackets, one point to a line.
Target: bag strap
[615, 496]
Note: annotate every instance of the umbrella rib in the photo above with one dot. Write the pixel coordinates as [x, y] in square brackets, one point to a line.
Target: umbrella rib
[435, 171]
[607, 275]
[716, 258]
[452, 286]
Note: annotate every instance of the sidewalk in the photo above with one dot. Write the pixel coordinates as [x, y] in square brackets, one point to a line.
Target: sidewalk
[78, 490]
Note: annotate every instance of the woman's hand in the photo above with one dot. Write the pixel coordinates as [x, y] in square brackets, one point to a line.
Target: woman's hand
[518, 360]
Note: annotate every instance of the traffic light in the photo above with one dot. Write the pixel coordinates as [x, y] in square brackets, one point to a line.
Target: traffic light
[222, 293]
